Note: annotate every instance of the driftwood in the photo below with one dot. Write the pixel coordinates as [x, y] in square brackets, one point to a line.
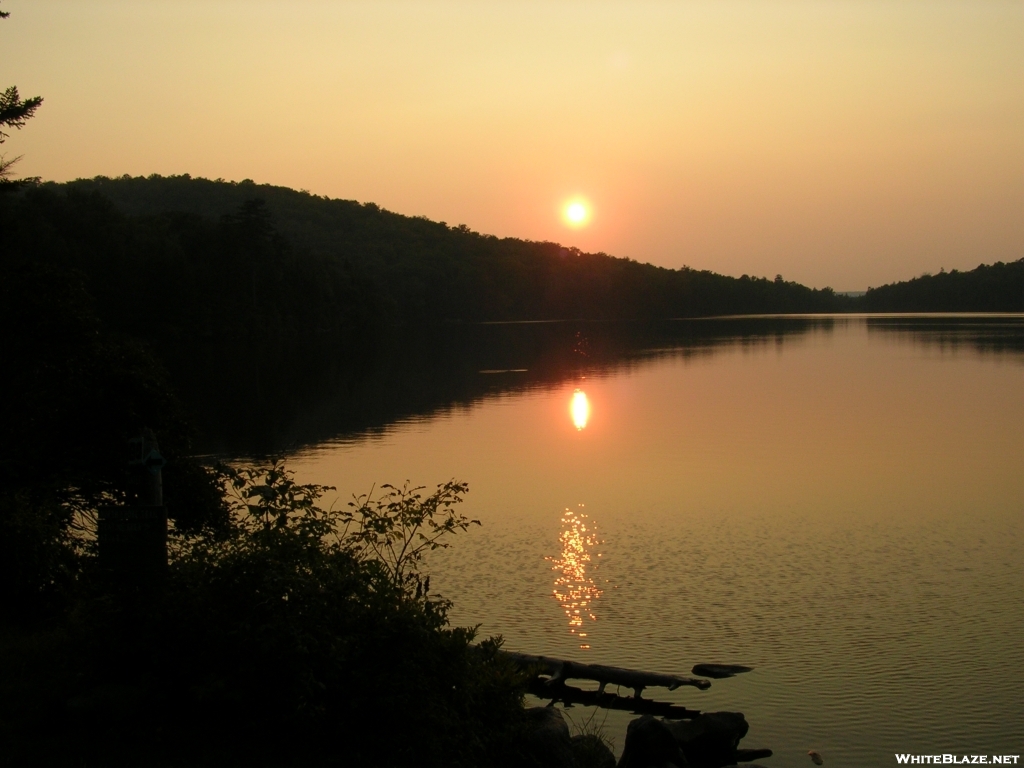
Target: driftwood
[550, 676]
[561, 670]
[710, 739]
[570, 695]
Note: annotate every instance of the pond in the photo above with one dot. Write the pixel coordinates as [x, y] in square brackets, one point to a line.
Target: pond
[837, 502]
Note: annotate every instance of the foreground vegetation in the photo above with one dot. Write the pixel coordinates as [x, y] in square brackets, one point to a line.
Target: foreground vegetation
[290, 635]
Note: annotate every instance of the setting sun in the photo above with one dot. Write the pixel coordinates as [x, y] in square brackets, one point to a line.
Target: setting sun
[577, 213]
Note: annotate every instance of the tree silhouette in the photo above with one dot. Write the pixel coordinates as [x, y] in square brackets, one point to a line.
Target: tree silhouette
[14, 111]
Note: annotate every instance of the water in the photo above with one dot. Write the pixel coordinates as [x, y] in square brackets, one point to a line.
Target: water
[837, 504]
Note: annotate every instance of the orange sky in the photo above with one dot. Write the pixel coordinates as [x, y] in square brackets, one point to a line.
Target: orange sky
[842, 143]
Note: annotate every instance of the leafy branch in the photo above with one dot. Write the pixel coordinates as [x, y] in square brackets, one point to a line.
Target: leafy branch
[391, 532]
[401, 525]
[265, 499]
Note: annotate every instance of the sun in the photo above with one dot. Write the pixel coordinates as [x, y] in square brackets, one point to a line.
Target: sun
[576, 213]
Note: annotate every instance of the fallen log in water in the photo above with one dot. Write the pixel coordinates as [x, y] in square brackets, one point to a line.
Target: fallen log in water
[681, 737]
[561, 670]
[569, 695]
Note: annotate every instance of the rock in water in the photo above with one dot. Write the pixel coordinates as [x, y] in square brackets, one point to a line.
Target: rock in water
[719, 671]
[650, 744]
[816, 757]
[548, 741]
[710, 740]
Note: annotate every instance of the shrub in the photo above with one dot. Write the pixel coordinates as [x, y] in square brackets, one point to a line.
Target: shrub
[296, 636]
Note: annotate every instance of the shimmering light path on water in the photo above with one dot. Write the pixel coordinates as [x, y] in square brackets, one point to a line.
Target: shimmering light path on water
[842, 509]
[574, 568]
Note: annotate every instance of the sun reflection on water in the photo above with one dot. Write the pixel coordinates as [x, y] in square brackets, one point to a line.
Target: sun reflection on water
[580, 409]
[575, 589]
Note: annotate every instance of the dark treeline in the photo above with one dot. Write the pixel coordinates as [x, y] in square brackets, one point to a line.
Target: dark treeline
[997, 287]
[424, 270]
[177, 279]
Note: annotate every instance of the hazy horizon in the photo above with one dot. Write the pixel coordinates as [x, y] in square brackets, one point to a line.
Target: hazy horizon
[845, 144]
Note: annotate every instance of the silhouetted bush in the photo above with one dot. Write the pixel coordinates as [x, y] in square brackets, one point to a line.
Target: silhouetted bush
[282, 640]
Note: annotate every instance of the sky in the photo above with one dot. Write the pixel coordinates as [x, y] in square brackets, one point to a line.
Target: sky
[842, 143]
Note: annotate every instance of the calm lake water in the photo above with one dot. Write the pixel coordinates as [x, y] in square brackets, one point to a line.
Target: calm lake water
[837, 502]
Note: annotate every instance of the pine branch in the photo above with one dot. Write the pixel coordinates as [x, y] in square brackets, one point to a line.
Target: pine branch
[14, 111]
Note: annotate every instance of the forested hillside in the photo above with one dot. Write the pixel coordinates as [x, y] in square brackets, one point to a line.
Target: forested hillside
[411, 268]
[997, 287]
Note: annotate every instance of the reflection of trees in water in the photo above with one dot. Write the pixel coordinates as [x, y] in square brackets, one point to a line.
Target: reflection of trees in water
[575, 588]
[985, 335]
[416, 373]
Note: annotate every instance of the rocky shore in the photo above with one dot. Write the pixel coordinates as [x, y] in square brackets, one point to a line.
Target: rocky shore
[709, 740]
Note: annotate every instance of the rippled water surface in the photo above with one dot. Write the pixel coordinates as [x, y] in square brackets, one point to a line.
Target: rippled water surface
[841, 508]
